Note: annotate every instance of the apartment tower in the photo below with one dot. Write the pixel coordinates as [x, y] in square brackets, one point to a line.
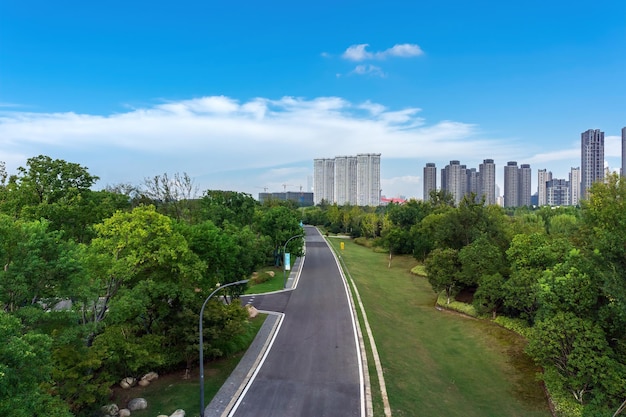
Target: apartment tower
[346, 180]
[368, 179]
[430, 180]
[592, 159]
[487, 180]
[543, 176]
[525, 181]
[323, 180]
[511, 185]
[574, 186]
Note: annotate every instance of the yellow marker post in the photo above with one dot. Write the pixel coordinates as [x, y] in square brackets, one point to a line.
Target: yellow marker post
[341, 245]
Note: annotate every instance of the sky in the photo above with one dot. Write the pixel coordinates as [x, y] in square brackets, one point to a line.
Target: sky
[243, 95]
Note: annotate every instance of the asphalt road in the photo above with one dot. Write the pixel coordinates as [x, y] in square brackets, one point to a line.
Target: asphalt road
[312, 369]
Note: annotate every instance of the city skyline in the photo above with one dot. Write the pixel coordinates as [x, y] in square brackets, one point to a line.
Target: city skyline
[243, 96]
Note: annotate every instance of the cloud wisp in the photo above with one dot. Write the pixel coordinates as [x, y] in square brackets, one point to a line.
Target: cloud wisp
[360, 53]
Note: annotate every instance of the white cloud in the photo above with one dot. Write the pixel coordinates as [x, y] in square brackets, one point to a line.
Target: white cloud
[228, 144]
[368, 69]
[359, 52]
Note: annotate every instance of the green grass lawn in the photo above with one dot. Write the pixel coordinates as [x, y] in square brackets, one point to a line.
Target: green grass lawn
[171, 392]
[275, 283]
[438, 363]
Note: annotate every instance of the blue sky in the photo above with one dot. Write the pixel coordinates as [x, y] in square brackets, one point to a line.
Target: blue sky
[243, 95]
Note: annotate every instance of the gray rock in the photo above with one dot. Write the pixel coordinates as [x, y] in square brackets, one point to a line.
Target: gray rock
[124, 412]
[137, 404]
[178, 413]
[150, 376]
[110, 410]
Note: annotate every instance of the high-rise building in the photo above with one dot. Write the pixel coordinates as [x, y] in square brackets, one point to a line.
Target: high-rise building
[558, 192]
[454, 178]
[623, 172]
[345, 180]
[574, 186]
[487, 178]
[592, 159]
[430, 179]
[368, 179]
[323, 180]
[473, 183]
[543, 176]
[525, 181]
[511, 185]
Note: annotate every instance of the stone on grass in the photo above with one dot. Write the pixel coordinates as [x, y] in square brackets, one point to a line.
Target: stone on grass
[150, 376]
[252, 311]
[137, 404]
[124, 412]
[143, 383]
[178, 413]
[128, 382]
[110, 410]
[271, 273]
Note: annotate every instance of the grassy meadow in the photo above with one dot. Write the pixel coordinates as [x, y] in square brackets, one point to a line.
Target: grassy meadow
[438, 363]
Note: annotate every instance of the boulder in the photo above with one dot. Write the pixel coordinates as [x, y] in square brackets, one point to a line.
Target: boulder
[143, 383]
[150, 376]
[271, 273]
[252, 311]
[124, 412]
[110, 410]
[137, 404]
[128, 382]
[178, 413]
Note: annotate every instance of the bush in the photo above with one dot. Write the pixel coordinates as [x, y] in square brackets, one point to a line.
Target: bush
[261, 278]
[518, 326]
[419, 270]
[457, 306]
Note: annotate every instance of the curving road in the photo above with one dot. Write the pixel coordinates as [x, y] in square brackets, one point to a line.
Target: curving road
[313, 368]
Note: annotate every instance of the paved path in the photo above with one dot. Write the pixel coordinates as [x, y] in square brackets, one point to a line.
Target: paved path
[313, 367]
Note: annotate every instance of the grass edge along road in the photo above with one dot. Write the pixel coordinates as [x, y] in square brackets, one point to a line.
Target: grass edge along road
[435, 362]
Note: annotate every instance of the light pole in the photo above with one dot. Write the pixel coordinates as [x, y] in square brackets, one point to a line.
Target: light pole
[285, 260]
[202, 340]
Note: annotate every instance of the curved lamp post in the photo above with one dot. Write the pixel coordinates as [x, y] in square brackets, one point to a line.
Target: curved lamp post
[202, 340]
[284, 260]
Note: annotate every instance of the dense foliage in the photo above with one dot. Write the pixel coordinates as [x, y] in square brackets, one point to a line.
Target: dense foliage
[562, 271]
[99, 285]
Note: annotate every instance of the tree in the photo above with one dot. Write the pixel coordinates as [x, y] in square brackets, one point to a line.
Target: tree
[38, 264]
[233, 207]
[578, 350]
[172, 196]
[25, 372]
[479, 258]
[443, 268]
[45, 180]
[490, 294]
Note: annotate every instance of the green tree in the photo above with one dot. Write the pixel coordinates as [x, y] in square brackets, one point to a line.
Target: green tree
[233, 207]
[443, 268]
[25, 372]
[578, 350]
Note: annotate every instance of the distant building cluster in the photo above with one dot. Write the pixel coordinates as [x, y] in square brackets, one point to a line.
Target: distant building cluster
[460, 181]
[302, 198]
[353, 180]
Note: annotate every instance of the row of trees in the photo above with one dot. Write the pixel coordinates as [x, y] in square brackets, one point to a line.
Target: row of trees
[99, 285]
[562, 271]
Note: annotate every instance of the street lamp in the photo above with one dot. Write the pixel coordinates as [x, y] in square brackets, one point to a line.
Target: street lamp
[202, 340]
[285, 260]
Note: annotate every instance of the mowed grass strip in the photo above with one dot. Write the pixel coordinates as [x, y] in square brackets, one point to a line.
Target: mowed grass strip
[438, 363]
